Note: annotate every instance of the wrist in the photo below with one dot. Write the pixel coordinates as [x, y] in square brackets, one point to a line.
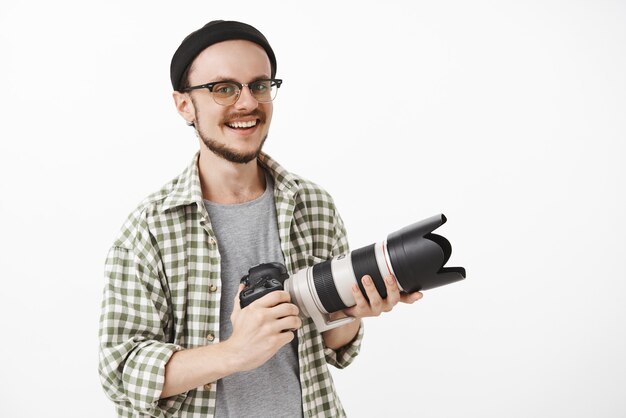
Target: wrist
[232, 362]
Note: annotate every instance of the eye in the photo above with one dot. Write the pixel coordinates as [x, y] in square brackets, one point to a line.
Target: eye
[225, 89]
[261, 86]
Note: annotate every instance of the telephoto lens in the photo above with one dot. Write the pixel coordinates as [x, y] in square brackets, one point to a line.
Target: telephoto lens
[413, 254]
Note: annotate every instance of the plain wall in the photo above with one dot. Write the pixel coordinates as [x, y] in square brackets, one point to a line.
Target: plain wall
[508, 117]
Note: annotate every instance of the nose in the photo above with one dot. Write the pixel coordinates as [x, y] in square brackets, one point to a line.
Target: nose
[246, 100]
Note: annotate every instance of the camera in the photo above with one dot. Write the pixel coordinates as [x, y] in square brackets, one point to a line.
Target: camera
[261, 280]
[413, 255]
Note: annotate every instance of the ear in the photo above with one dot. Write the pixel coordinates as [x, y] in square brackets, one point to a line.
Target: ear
[184, 106]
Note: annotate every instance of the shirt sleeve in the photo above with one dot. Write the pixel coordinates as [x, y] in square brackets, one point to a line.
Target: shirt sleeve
[134, 347]
[343, 356]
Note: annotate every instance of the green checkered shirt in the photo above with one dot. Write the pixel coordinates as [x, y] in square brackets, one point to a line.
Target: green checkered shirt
[162, 294]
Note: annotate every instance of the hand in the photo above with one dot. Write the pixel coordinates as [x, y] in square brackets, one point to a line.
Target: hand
[376, 304]
[262, 328]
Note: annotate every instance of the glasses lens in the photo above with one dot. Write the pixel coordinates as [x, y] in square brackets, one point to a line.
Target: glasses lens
[225, 93]
[263, 90]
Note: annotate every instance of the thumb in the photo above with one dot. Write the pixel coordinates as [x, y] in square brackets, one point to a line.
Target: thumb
[237, 303]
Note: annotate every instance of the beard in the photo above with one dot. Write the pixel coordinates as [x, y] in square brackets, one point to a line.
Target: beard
[226, 152]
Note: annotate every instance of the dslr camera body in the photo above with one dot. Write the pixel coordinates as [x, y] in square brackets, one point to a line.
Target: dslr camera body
[261, 280]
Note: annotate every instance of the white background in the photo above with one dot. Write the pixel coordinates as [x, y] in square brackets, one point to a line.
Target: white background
[509, 117]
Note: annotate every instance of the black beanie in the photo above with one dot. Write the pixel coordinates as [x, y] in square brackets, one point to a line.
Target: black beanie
[212, 33]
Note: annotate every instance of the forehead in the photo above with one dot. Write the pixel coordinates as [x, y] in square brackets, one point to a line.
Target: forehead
[238, 60]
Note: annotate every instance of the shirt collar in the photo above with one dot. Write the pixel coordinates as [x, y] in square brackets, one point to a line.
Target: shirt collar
[186, 189]
[283, 179]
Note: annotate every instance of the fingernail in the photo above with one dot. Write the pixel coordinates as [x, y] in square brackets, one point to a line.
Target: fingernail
[367, 280]
[389, 280]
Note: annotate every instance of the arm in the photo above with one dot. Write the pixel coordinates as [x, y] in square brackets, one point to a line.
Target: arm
[338, 337]
[258, 333]
[142, 371]
[188, 369]
[134, 329]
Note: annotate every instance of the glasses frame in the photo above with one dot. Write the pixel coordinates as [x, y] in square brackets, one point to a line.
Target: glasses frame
[275, 82]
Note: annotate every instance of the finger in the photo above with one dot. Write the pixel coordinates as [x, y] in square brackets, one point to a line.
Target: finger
[359, 297]
[273, 299]
[376, 302]
[393, 293]
[284, 309]
[287, 323]
[237, 304]
[410, 297]
[285, 338]
[360, 302]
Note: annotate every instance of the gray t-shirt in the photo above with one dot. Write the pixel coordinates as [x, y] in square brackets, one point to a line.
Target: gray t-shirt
[247, 235]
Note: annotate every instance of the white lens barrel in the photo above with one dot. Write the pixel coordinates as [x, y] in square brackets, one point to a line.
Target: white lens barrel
[343, 274]
[297, 287]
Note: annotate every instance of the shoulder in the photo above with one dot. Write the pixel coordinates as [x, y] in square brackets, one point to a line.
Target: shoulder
[313, 194]
[138, 223]
[305, 190]
[307, 193]
[316, 213]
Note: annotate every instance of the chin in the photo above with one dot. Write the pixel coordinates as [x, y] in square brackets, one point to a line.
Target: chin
[241, 155]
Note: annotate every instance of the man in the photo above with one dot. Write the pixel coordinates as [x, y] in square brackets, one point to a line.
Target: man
[174, 340]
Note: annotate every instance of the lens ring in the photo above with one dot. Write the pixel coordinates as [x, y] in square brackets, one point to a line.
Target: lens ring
[325, 287]
[364, 262]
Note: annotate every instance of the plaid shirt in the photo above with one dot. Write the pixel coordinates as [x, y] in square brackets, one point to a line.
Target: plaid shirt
[162, 294]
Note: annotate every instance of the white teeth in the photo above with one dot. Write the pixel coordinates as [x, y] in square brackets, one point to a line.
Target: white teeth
[249, 124]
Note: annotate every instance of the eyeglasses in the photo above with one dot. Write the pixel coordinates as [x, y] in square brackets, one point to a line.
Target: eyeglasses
[226, 93]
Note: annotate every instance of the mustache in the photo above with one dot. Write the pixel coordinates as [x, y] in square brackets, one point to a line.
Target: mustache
[257, 113]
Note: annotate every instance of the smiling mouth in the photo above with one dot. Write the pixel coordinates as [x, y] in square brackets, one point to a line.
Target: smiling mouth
[243, 125]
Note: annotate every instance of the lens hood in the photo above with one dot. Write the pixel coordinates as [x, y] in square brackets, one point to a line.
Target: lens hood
[418, 256]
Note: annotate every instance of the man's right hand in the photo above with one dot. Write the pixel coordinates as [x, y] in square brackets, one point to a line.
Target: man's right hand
[262, 328]
[259, 331]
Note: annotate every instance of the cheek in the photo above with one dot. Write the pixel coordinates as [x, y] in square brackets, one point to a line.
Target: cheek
[209, 117]
[269, 111]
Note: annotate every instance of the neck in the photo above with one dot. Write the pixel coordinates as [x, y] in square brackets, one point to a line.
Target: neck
[229, 183]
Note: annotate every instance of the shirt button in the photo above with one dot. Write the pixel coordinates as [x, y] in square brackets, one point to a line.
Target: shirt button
[212, 288]
[212, 241]
[210, 337]
[207, 386]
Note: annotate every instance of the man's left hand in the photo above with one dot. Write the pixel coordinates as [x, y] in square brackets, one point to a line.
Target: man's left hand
[376, 304]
